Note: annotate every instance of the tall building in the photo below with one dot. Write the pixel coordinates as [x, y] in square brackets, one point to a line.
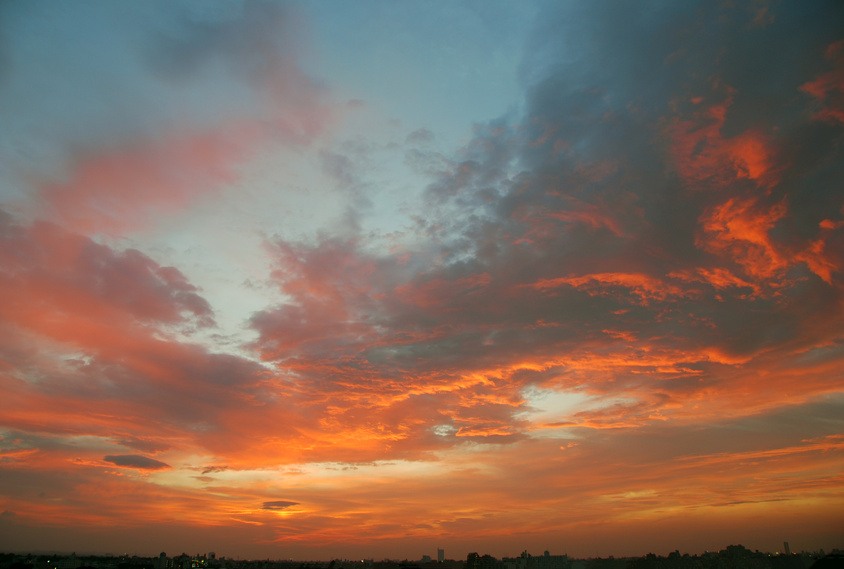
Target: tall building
[440, 555]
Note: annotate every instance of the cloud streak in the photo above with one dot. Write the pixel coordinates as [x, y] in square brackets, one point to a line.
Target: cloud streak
[137, 461]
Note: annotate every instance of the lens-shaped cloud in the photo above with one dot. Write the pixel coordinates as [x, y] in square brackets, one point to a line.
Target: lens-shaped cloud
[137, 461]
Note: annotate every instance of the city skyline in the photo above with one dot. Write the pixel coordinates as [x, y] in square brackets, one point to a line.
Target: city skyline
[60, 559]
[319, 279]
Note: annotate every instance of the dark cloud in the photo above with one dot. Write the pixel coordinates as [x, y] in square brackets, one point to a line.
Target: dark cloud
[136, 461]
[636, 235]
[279, 505]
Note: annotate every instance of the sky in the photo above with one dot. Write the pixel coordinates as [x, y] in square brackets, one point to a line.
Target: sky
[367, 279]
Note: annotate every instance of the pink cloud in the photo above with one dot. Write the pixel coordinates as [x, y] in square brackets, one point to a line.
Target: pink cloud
[75, 280]
[126, 182]
[125, 188]
[118, 190]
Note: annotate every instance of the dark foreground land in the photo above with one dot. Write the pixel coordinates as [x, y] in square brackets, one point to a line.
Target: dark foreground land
[733, 557]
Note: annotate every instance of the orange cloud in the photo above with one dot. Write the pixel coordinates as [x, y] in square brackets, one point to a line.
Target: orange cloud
[706, 159]
[740, 229]
[718, 277]
[646, 288]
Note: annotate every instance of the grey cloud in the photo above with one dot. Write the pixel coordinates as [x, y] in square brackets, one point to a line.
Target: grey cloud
[279, 505]
[338, 167]
[420, 136]
[253, 40]
[586, 183]
[428, 163]
[136, 461]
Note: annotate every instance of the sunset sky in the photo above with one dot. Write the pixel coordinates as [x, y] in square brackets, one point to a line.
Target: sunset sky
[368, 278]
